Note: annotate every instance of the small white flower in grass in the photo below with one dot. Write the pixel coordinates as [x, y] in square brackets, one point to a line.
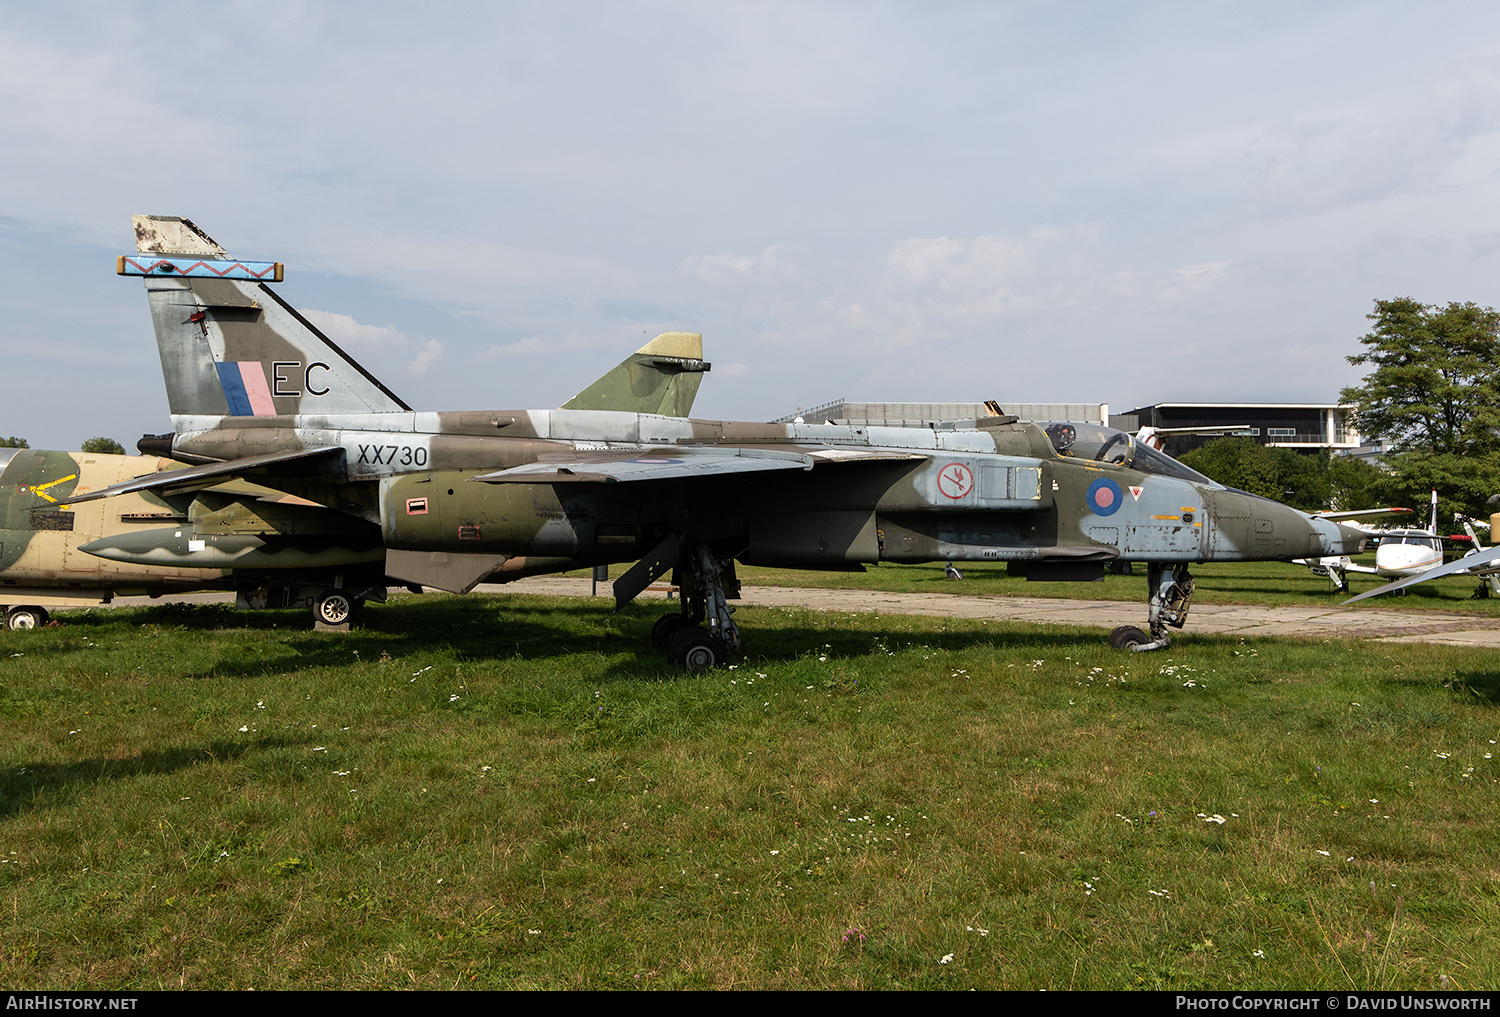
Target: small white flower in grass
[1325, 854]
[453, 698]
[947, 958]
[1258, 953]
[775, 852]
[244, 729]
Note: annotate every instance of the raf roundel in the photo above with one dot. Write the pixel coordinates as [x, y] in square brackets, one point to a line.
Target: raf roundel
[1104, 497]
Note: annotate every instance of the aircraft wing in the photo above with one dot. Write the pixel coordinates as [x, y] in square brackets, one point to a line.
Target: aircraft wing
[1479, 564]
[646, 464]
[1375, 513]
[197, 477]
[627, 466]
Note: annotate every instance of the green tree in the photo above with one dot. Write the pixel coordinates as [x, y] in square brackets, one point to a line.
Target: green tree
[1433, 396]
[103, 446]
[1308, 481]
[1435, 383]
[14, 442]
[1241, 463]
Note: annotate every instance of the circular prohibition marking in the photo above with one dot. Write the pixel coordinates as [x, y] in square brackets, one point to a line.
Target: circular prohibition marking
[955, 480]
[1104, 497]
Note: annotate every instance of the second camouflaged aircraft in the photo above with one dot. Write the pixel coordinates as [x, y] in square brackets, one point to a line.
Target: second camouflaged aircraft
[256, 391]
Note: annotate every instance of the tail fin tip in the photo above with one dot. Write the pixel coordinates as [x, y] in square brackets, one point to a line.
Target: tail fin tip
[172, 234]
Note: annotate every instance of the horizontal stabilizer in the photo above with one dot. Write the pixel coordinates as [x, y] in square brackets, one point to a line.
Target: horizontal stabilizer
[282, 464]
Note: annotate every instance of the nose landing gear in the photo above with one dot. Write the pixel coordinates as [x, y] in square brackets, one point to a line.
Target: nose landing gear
[1171, 596]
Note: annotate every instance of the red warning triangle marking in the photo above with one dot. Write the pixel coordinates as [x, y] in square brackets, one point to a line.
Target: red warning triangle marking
[1135, 492]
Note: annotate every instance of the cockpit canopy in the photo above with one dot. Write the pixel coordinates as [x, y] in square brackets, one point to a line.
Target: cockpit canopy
[1101, 444]
[1421, 538]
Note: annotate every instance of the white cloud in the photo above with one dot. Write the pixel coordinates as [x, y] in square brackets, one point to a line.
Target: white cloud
[729, 269]
[345, 331]
[431, 350]
[525, 347]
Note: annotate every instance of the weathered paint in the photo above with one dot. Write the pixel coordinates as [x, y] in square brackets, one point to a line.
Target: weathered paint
[993, 489]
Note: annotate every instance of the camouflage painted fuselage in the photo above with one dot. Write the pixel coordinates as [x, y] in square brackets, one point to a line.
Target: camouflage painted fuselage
[54, 553]
[41, 556]
[254, 387]
[861, 494]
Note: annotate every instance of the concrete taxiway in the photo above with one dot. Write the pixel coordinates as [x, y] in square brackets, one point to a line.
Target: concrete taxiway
[1248, 620]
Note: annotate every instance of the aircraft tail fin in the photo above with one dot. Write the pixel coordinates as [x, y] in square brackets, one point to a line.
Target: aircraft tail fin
[229, 345]
[661, 377]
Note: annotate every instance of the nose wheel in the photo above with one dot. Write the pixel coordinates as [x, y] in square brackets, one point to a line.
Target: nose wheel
[1171, 596]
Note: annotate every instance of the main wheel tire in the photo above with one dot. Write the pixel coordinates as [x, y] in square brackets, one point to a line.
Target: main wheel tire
[334, 608]
[696, 649]
[18, 618]
[666, 627]
[1127, 636]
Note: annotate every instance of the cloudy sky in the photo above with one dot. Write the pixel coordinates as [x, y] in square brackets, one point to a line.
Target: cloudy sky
[491, 204]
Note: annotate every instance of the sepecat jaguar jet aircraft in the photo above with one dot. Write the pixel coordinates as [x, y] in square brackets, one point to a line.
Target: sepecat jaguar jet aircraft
[255, 391]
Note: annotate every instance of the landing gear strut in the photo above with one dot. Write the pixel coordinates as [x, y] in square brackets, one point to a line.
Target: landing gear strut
[707, 583]
[1171, 595]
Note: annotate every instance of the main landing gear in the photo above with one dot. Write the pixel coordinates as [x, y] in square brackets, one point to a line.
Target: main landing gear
[1171, 595]
[707, 583]
[19, 618]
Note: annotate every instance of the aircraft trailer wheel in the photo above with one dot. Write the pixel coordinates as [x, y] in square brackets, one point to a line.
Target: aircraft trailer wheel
[25, 618]
[1127, 636]
[666, 627]
[695, 649]
[334, 608]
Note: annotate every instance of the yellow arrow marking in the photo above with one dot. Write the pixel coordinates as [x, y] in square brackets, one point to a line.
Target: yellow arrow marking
[41, 489]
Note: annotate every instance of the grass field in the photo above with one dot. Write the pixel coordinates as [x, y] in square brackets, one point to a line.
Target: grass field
[499, 792]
